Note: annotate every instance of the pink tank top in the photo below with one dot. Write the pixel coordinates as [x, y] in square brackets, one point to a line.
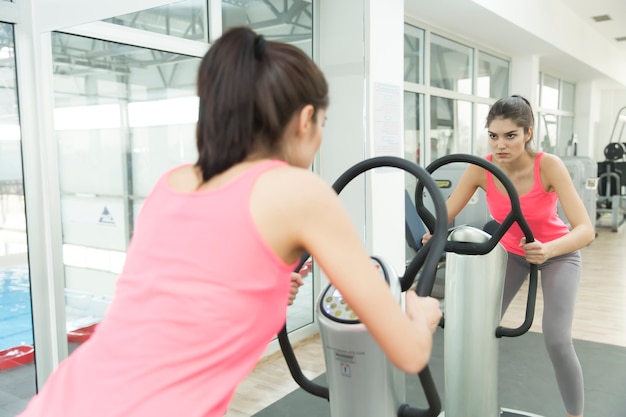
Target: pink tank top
[200, 297]
[538, 206]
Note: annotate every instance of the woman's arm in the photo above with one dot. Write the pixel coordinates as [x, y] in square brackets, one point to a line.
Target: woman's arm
[328, 234]
[556, 178]
[310, 216]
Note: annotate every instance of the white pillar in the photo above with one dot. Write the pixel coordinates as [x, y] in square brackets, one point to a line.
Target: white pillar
[587, 116]
[525, 77]
[361, 53]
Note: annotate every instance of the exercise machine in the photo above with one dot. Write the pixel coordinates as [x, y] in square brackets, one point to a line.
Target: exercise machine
[361, 380]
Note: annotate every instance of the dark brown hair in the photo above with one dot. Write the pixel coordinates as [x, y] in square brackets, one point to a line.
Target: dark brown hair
[515, 108]
[249, 90]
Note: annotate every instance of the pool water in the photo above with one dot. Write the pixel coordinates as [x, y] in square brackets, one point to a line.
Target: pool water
[16, 322]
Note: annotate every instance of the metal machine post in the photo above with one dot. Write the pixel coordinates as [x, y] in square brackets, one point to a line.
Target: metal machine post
[473, 289]
[362, 381]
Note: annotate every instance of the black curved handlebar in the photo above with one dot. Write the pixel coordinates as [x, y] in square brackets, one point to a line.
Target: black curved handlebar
[428, 264]
[471, 248]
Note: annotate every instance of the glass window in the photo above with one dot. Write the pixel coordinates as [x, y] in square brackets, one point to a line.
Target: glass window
[413, 54]
[288, 21]
[123, 115]
[556, 116]
[184, 19]
[493, 76]
[566, 136]
[547, 134]
[413, 133]
[549, 92]
[450, 127]
[568, 96]
[17, 369]
[450, 65]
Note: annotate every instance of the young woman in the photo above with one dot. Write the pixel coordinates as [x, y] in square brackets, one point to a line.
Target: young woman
[540, 179]
[208, 272]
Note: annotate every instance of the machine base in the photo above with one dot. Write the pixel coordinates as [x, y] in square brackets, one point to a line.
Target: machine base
[507, 412]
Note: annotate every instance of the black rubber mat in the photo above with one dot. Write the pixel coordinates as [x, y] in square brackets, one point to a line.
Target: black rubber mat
[526, 381]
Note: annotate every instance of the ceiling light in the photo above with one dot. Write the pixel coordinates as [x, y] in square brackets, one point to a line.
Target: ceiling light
[601, 18]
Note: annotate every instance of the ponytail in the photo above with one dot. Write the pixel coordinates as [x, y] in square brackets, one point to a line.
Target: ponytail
[249, 89]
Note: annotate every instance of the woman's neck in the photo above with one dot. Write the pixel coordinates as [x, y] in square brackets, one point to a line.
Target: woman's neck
[519, 165]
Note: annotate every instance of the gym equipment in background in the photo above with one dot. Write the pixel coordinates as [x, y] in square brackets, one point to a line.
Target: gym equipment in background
[475, 213]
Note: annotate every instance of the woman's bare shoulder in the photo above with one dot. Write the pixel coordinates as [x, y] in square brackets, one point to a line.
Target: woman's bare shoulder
[183, 178]
[551, 164]
[554, 174]
[548, 158]
[294, 183]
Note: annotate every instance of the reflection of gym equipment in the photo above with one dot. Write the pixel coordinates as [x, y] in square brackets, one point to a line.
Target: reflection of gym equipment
[473, 287]
[611, 200]
[361, 380]
[476, 212]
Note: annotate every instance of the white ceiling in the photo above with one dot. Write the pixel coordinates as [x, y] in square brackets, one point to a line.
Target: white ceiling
[610, 29]
[465, 19]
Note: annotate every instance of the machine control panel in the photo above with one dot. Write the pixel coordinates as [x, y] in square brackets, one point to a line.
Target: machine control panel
[335, 307]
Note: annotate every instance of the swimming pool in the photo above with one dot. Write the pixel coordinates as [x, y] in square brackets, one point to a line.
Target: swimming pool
[16, 322]
[82, 310]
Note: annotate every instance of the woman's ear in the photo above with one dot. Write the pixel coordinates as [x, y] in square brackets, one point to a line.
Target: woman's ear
[305, 119]
[530, 134]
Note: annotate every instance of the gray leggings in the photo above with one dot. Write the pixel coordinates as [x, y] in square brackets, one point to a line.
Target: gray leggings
[560, 277]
